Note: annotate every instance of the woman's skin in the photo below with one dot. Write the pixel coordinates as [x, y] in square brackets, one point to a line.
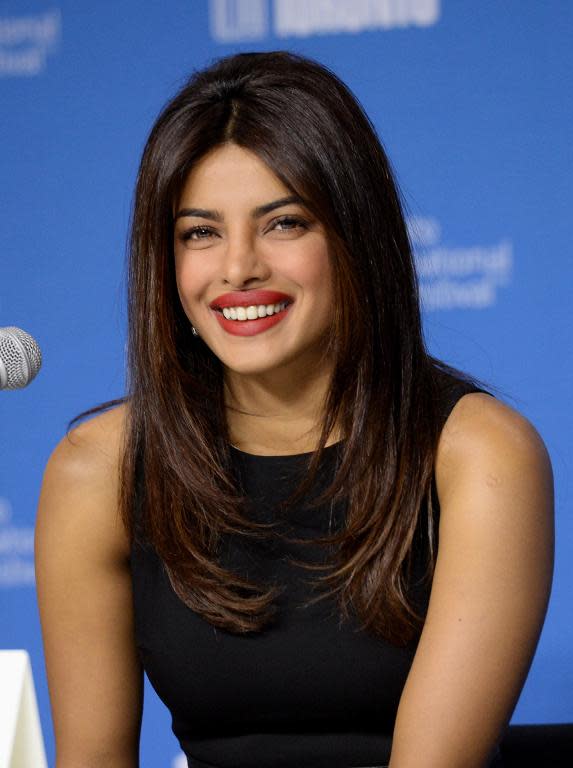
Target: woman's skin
[494, 483]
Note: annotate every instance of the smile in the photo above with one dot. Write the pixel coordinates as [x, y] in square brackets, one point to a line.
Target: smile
[251, 320]
[248, 313]
[253, 312]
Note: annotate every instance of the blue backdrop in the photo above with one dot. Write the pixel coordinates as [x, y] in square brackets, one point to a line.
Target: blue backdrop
[473, 101]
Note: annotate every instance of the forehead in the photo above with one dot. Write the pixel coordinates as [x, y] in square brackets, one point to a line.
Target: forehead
[230, 173]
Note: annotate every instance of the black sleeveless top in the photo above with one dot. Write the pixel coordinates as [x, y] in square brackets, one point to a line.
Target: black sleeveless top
[309, 691]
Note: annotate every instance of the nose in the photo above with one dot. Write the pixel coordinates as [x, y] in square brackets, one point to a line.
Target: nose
[243, 261]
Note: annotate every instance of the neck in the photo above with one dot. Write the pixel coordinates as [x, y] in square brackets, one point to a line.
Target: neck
[278, 412]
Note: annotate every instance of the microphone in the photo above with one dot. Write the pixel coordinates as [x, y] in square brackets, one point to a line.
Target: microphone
[20, 358]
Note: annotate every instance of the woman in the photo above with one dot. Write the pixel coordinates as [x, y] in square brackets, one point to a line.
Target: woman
[256, 525]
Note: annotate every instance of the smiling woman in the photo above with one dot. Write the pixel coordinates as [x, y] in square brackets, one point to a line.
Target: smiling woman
[323, 546]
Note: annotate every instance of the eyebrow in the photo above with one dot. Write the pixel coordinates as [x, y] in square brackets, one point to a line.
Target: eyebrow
[256, 213]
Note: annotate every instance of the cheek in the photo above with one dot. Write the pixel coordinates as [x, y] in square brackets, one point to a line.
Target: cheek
[181, 281]
[317, 274]
[190, 278]
[307, 264]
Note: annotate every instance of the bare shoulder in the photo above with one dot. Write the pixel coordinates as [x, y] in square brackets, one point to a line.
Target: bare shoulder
[490, 588]
[85, 598]
[81, 480]
[93, 446]
[485, 441]
[495, 488]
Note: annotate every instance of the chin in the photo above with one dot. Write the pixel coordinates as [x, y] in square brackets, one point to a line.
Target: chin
[295, 366]
[252, 367]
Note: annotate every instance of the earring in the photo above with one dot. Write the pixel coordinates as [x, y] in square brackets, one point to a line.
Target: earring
[194, 331]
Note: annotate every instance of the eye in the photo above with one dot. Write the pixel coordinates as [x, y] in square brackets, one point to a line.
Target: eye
[288, 224]
[197, 234]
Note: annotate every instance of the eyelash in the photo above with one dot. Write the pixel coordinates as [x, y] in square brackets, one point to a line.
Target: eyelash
[286, 219]
[188, 233]
[203, 230]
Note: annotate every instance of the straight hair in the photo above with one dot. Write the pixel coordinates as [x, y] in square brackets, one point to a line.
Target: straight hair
[177, 491]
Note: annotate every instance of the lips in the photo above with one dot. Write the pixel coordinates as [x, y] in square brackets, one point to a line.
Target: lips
[249, 298]
[251, 327]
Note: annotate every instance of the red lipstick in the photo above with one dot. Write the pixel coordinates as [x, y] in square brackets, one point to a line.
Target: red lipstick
[249, 298]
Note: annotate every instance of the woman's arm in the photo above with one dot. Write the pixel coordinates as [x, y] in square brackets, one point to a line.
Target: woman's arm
[490, 590]
[85, 601]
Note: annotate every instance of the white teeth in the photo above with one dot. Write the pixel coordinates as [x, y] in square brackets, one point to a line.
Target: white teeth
[253, 312]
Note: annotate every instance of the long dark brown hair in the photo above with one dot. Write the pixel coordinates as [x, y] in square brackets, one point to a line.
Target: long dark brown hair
[177, 489]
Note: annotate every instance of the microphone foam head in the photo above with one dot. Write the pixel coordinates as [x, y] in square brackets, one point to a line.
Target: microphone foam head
[20, 358]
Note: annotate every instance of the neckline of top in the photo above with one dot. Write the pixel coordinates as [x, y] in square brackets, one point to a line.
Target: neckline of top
[282, 457]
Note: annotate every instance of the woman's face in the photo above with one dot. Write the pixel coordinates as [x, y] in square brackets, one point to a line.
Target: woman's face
[245, 247]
